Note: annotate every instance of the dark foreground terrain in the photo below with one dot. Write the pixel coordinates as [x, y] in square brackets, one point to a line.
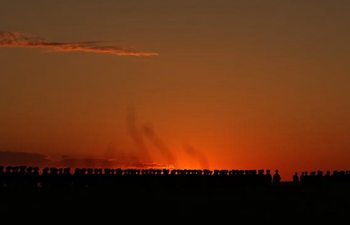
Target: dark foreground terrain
[57, 196]
[282, 203]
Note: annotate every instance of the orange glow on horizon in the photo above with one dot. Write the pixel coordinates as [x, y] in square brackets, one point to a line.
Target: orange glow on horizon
[236, 85]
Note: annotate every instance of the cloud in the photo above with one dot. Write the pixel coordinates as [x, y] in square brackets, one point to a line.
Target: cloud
[67, 161]
[8, 158]
[11, 158]
[25, 40]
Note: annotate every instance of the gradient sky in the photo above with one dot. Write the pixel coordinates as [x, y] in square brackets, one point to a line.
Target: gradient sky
[224, 84]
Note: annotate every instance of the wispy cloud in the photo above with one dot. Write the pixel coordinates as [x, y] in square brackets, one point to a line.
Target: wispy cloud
[105, 163]
[25, 40]
[17, 158]
[9, 158]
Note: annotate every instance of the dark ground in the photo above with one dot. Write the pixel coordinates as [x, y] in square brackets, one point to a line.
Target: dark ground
[283, 203]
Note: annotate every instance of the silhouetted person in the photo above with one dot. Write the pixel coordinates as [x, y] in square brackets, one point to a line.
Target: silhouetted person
[30, 179]
[166, 171]
[327, 177]
[261, 176]
[8, 177]
[312, 177]
[2, 177]
[342, 176]
[268, 177]
[319, 177]
[304, 178]
[276, 177]
[296, 178]
[44, 178]
[346, 176]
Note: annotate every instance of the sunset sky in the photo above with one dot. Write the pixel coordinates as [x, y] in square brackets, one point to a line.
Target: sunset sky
[227, 84]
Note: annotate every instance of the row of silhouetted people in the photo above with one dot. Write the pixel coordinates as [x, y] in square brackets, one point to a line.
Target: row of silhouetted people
[28, 176]
[319, 177]
[52, 177]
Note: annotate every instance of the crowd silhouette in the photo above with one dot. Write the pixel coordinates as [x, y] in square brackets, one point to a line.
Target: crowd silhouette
[20, 177]
[28, 177]
[252, 195]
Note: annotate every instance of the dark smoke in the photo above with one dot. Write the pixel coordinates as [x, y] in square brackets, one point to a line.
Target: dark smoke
[140, 145]
[159, 144]
[198, 155]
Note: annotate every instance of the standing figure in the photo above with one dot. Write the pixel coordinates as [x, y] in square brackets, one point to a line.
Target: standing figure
[276, 177]
[296, 178]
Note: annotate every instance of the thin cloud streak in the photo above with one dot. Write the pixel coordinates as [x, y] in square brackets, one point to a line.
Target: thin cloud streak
[104, 163]
[25, 40]
[9, 158]
[17, 158]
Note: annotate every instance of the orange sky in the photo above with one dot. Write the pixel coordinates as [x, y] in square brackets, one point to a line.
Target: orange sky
[224, 85]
